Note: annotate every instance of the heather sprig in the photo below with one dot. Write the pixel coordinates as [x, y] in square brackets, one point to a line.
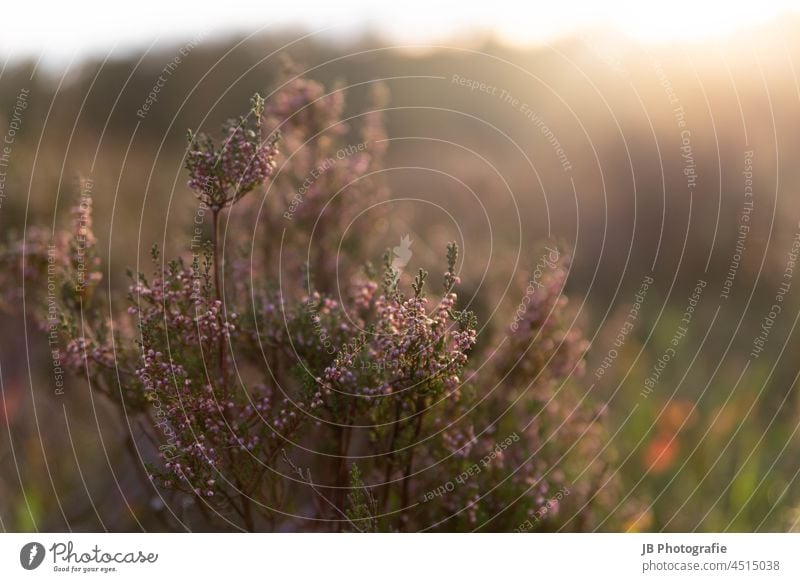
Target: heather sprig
[221, 174]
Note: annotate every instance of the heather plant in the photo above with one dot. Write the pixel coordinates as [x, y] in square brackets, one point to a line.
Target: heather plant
[283, 406]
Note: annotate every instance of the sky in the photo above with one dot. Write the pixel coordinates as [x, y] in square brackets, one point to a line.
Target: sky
[59, 31]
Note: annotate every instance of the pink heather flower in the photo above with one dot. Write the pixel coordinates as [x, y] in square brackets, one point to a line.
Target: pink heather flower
[221, 174]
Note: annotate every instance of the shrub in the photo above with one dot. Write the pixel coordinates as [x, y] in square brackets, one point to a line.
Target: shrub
[275, 407]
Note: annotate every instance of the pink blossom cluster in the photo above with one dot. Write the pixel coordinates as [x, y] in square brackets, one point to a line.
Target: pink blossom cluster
[221, 174]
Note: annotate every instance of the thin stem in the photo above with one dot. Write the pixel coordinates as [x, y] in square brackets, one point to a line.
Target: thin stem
[239, 512]
[223, 364]
[247, 507]
[410, 464]
[307, 479]
[390, 459]
[341, 471]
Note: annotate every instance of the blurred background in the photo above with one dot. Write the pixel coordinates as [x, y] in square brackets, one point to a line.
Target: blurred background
[660, 145]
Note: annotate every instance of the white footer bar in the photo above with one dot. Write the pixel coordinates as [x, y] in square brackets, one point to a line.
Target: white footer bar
[400, 557]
